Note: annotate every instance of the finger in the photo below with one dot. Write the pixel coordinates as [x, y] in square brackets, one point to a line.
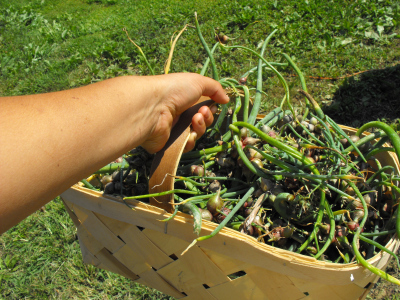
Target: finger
[213, 89]
[191, 142]
[198, 124]
[207, 115]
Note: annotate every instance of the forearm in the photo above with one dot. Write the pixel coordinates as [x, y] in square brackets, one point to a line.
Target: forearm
[90, 126]
[51, 141]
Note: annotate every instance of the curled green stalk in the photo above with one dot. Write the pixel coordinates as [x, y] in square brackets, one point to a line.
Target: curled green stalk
[302, 81]
[379, 246]
[326, 131]
[257, 98]
[357, 253]
[366, 139]
[200, 197]
[279, 75]
[393, 136]
[226, 220]
[268, 117]
[246, 103]
[395, 140]
[294, 153]
[207, 62]
[172, 215]
[88, 185]
[331, 231]
[161, 194]
[112, 167]
[379, 172]
[278, 144]
[315, 104]
[277, 64]
[245, 160]
[340, 131]
[200, 153]
[209, 53]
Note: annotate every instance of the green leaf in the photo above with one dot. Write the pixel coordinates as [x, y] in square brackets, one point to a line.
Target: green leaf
[346, 41]
[371, 35]
[380, 29]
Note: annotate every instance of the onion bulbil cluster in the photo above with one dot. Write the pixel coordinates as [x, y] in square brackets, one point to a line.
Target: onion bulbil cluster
[291, 179]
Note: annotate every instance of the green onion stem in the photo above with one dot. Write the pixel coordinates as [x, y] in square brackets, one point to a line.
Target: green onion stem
[226, 220]
[302, 81]
[209, 53]
[279, 75]
[112, 167]
[258, 96]
[162, 194]
[88, 185]
[207, 62]
[395, 140]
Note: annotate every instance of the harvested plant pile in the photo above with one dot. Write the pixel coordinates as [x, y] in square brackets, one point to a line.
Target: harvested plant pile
[293, 179]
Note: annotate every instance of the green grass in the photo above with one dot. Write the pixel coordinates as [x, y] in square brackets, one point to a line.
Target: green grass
[54, 45]
[40, 259]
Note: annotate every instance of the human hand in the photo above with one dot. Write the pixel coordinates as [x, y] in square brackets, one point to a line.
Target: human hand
[179, 92]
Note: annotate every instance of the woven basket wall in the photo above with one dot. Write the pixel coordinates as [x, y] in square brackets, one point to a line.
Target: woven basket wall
[137, 245]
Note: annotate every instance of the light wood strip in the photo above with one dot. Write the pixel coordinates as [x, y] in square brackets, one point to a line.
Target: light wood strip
[178, 275]
[139, 243]
[152, 279]
[116, 226]
[109, 262]
[328, 292]
[201, 265]
[167, 243]
[199, 293]
[132, 260]
[68, 207]
[276, 286]
[191, 270]
[227, 264]
[86, 238]
[87, 256]
[99, 231]
[238, 289]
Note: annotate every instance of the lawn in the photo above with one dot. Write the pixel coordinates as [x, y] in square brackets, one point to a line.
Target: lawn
[349, 52]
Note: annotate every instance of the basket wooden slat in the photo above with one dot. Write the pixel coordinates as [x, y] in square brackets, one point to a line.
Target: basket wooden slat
[151, 251]
[137, 245]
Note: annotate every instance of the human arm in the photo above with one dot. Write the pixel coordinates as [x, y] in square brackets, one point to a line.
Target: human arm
[51, 141]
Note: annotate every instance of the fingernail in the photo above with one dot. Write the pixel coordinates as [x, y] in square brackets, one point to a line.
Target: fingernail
[214, 109]
[201, 122]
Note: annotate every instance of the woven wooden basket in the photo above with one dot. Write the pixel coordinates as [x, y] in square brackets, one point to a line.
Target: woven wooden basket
[231, 265]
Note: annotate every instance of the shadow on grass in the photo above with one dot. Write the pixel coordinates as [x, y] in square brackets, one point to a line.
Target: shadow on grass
[371, 96]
